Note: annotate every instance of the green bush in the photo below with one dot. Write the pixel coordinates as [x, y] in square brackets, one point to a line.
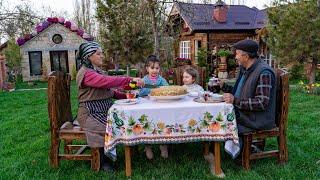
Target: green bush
[317, 75]
[202, 57]
[296, 72]
[223, 53]
[232, 63]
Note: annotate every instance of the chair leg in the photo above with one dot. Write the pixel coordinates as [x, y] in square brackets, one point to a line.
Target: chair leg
[66, 148]
[95, 161]
[247, 141]
[54, 152]
[283, 149]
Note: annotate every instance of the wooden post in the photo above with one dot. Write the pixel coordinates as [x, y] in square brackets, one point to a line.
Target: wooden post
[2, 71]
[246, 151]
[217, 159]
[128, 160]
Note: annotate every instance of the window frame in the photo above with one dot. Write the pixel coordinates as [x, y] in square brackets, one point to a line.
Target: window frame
[30, 63]
[59, 52]
[185, 49]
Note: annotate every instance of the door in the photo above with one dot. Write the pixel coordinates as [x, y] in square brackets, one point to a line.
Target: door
[59, 61]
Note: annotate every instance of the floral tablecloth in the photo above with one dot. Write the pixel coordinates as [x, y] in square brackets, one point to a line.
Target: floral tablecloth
[153, 122]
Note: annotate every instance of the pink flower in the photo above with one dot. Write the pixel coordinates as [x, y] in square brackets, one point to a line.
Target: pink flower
[80, 32]
[67, 24]
[61, 20]
[170, 72]
[182, 59]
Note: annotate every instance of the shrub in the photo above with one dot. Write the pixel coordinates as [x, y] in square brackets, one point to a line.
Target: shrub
[296, 72]
[224, 53]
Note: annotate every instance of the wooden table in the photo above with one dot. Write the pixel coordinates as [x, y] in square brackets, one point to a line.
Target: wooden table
[182, 121]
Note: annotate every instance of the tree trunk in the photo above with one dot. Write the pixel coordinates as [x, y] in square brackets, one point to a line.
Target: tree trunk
[152, 7]
[313, 69]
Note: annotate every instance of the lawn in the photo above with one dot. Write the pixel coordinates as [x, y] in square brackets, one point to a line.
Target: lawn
[25, 134]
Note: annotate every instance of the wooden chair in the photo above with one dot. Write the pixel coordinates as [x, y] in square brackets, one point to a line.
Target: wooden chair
[179, 74]
[282, 104]
[59, 108]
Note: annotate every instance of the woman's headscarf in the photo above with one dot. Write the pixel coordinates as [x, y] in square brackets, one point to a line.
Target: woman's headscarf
[85, 51]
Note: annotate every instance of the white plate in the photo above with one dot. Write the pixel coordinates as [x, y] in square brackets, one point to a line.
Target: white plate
[127, 101]
[193, 94]
[217, 97]
[167, 98]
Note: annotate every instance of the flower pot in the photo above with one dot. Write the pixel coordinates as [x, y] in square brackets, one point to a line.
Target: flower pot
[223, 67]
[223, 59]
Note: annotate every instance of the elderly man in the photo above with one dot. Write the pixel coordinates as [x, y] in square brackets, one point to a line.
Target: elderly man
[254, 93]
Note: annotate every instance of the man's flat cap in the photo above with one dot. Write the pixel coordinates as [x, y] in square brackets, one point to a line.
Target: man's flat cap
[247, 45]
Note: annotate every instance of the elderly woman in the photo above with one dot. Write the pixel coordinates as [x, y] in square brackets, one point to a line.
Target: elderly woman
[94, 96]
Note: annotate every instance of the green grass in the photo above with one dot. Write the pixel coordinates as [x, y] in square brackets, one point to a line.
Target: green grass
[25, 140]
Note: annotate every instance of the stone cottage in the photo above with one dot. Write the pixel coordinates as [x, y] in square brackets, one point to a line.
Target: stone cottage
[52, 47]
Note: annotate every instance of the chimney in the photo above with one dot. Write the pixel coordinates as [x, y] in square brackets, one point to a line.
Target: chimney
[220, 12]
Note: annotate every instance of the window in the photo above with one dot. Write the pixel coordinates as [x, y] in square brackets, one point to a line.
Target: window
[59, 61]
[35, 62]
[197, 47]
[185, 49]
[57, 38]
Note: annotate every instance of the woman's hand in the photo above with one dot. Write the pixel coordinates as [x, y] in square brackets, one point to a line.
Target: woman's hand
[140, 82]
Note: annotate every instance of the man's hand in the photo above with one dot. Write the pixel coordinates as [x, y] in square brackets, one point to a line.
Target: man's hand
[228, 98]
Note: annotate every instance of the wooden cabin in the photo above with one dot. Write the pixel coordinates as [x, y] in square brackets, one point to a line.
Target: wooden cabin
[212, 26]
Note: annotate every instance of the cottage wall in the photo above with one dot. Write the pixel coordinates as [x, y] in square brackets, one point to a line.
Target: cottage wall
[211, 39]
[43, 42]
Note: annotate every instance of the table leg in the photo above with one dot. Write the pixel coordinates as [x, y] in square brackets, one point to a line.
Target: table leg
[206, 148]
[128, 160]
[217, 160]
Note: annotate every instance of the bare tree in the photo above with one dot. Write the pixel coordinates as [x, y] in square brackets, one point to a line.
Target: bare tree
[83, 16]
[17, 21]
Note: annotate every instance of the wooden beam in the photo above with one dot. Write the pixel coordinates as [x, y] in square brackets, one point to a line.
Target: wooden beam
[265, 154]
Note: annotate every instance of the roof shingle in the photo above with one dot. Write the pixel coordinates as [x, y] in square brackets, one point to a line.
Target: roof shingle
[239, 17]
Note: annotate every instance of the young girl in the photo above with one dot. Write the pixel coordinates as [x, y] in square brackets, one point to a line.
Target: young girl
[94, 96]
[190, 77]
[153, 78]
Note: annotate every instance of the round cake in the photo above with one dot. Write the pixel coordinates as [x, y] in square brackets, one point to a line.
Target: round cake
[169, 91]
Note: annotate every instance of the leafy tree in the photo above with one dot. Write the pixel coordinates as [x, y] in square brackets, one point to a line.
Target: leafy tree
[13, 57]
[125, 30]
[294, 33]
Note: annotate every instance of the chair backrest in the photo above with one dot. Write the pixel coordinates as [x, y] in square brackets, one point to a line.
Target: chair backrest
[59, 105]
[282, 105]
[179, 74]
